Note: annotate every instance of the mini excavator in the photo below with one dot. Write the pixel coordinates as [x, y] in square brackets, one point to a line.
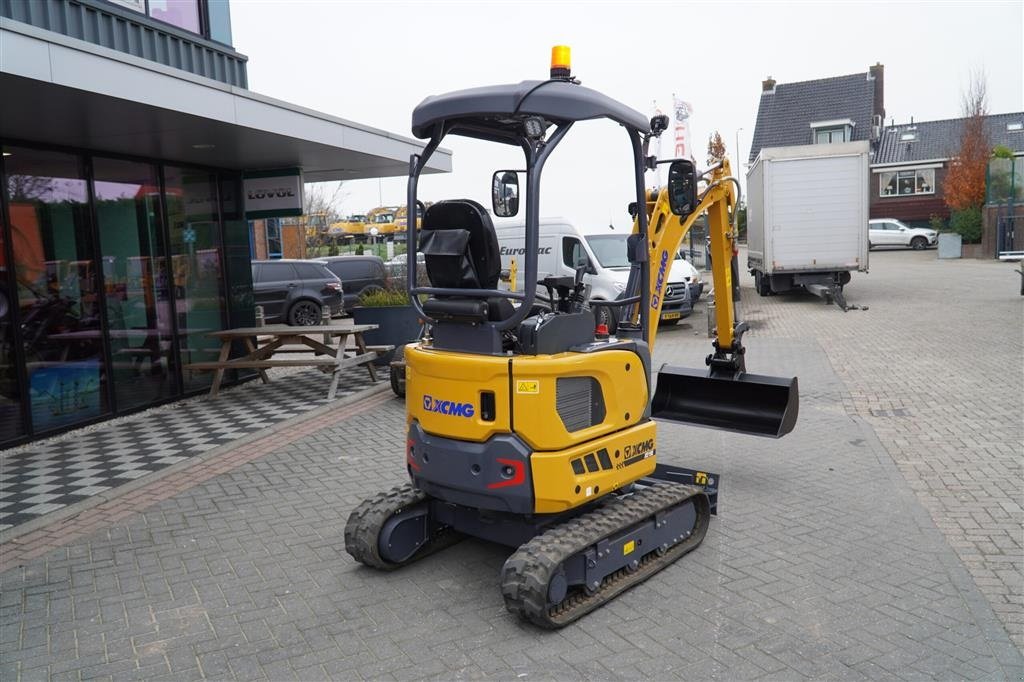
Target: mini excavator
[533, 426]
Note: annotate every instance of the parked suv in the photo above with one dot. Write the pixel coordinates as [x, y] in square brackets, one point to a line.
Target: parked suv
[891, 232]
[357, 274]
[295, 291]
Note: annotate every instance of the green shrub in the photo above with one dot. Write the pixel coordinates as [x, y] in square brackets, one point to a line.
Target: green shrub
[936, 222]
[967, 224]
[384, 298]
[1001, 151]
[332, 250]
[359, 249]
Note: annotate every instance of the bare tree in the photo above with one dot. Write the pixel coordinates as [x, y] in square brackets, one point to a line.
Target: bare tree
[321, 207]
[28, 187]
[324, 198]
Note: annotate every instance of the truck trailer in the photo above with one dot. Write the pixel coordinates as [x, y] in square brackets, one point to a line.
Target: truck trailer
[807, 218]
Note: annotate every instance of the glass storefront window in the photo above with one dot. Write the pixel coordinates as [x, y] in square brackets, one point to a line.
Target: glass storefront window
[10, 393]
[58, 292]
[108, 288]
[197, 279]
[237, 252]
[181, 13]
[136, 282]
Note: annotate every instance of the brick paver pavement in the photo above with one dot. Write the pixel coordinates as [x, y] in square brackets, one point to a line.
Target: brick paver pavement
[936, 367]
[822, 564]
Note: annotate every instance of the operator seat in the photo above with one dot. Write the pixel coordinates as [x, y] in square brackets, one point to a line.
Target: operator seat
[460, 248]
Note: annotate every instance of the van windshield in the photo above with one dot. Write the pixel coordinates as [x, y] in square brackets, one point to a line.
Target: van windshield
[610, 250]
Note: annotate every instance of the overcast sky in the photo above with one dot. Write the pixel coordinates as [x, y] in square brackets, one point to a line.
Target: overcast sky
[373, 62]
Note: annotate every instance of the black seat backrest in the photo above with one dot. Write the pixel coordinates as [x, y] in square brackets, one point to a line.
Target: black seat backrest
[460, 246]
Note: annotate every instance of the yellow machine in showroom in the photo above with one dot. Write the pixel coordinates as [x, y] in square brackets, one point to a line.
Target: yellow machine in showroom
[528, 424]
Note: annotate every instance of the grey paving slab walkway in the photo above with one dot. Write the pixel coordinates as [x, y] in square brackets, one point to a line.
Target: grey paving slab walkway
[822, 564]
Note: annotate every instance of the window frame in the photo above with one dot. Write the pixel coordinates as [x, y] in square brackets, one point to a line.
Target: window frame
[568, 247]
[915, 174]
[201, 8]
[831, 131]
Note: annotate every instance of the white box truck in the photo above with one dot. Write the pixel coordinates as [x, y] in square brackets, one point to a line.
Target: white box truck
[807, 218]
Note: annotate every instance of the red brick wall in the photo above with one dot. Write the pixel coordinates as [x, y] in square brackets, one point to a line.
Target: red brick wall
[259, 235]
[293, 241]
[918, 208]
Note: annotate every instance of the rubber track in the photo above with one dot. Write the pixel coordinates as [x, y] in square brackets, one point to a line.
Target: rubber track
[527, 573]
[366, 521]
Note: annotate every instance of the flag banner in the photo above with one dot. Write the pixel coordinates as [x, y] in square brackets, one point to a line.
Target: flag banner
[683, 111]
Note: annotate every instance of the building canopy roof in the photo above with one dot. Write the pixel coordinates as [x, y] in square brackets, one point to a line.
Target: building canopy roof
[786, 112]
[68, 92]
[940, 140]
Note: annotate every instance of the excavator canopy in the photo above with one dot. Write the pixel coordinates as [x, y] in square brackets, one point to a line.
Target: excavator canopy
[496, 112]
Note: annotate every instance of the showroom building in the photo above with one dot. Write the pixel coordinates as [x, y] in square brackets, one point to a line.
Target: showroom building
[128, 136]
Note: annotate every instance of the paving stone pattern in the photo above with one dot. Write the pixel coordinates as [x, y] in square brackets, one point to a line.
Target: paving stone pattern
[936, 367]
[62, 471]
[822, 564]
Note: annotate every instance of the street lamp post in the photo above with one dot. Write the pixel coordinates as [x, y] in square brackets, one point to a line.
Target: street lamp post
[738, 162]
[738, 169]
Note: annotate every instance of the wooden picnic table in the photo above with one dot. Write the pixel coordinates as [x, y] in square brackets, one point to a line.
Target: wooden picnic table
[328, 355]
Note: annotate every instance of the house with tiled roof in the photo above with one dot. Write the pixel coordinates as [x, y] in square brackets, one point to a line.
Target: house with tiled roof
[908, 161]
[821, 111]
[909, 166]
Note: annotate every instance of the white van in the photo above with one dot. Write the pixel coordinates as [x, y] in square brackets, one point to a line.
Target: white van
[606, 251]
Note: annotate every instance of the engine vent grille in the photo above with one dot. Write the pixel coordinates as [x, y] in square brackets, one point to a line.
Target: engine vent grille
[579, 402]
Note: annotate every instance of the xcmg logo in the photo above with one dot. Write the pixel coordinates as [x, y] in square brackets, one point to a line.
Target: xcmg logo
[656, 294]
[449, 407]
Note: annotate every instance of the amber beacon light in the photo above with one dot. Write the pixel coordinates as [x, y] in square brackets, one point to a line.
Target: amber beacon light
[561, 62]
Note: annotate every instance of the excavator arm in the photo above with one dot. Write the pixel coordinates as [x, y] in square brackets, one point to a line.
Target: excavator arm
[723, 396]
[666, 231]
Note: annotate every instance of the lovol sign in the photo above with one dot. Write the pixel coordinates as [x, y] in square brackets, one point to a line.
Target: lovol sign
[273, 193]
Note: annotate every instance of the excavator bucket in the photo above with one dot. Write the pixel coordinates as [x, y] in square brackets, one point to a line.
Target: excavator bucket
[749, 403]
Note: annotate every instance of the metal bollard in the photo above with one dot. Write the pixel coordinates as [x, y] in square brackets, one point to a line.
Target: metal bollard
[325, 319]
[710, 307]
[260, 320]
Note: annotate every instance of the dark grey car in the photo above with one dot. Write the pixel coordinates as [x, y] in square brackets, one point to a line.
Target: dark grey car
[357, 274]
[295, 291]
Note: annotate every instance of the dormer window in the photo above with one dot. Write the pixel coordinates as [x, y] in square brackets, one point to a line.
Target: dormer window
[908, 136]
[831, 132]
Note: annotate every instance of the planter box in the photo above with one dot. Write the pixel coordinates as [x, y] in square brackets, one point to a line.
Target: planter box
[950, 245]
[396, 326]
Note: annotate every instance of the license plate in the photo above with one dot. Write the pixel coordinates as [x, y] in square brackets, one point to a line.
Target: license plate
[671, 316]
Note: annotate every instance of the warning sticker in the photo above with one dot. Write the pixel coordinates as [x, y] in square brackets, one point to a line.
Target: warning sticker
[628, 547]
[528, 386]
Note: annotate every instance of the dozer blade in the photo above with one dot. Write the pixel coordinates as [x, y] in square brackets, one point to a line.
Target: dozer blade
[749, 403]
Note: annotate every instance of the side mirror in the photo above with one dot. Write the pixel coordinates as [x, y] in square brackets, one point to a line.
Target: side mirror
[682, 187]
[505, 193]
[659, 124]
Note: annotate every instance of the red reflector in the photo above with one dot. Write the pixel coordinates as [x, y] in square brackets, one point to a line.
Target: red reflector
[518, 474]
[601, 329]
